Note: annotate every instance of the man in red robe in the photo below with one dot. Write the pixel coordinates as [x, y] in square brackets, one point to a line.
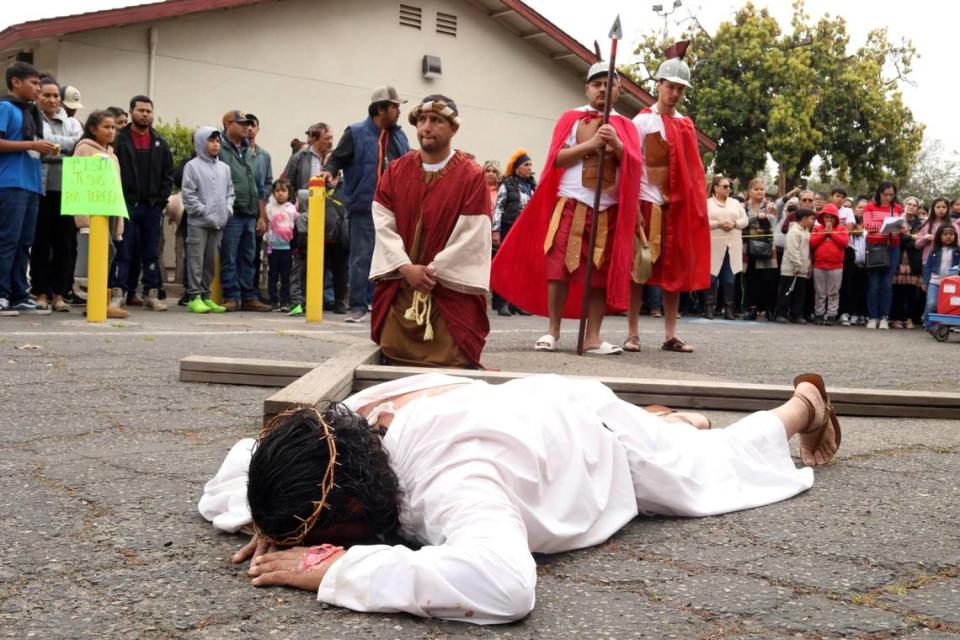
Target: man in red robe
[551, 239]
[431, 260]
[673, 203]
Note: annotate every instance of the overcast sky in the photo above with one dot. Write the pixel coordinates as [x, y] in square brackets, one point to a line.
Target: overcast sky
[929, 23]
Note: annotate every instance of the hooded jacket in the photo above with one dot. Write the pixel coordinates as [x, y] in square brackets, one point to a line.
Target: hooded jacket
[63, 130]
[207, 191]
[796, 253]
[828, 248]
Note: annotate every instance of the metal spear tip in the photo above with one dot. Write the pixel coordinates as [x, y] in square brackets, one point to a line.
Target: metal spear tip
[616, 31]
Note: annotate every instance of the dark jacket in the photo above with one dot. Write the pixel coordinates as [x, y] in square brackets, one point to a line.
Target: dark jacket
[160, 180]
[244, 174]
[360, 173]
[512, 196]
[299, 168]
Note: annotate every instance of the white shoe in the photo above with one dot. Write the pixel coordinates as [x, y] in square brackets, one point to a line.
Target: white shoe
[871, 323]
[845, 320]
[884, 324]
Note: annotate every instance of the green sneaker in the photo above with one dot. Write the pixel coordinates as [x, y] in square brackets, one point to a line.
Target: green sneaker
[297, 310]
[213, 307]
[196, 306]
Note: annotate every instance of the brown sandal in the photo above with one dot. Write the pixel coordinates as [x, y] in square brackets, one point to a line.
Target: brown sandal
[632, 344]
[677, 345]
[808, 454]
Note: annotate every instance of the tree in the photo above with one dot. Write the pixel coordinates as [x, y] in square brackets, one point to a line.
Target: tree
[935, 172]
[796, 96]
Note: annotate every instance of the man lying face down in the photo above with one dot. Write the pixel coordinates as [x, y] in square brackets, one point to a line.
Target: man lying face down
[481, 476]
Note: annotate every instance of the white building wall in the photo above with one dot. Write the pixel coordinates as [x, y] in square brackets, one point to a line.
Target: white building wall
[295, 62]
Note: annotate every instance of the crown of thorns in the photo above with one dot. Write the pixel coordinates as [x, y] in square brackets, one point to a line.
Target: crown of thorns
[296, 536]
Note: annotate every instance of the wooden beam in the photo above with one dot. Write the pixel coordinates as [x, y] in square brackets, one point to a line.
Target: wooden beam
[535, 34]
[216, 364]
[500, 14]
[722, 396]
[332, 380]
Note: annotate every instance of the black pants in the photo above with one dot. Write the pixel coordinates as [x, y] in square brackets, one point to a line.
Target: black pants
[853, 286]
[495, 300]
[278, 276]
[336, 262]
[792, 296]
[53, 257]
[258, 263]
[904, 303]
[761, 288]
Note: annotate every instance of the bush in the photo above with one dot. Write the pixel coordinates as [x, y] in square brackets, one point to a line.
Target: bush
[180, 139]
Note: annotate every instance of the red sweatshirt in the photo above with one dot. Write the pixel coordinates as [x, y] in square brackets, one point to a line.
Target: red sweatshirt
[828, 248]
[873, 216]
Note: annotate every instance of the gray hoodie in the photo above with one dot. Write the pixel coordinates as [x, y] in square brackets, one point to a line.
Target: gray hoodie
[207, 186]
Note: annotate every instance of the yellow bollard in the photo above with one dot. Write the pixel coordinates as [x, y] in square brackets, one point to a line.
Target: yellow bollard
[316, 208]
[97, 257]
[216, 289]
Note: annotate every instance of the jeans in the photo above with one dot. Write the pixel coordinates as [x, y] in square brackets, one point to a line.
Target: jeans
[654, 297]
[141, 234]
[18, 224]
[726, 276]
[880, 287]
[237, 253]
[362, 238]
[931, 304]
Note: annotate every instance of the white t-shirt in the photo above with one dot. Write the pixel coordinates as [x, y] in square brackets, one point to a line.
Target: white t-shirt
[437, 166]
[646, 124]
[847, 216]
[571, 182]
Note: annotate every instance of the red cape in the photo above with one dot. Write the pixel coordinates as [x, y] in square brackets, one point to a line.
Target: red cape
[519, 268]
[684, 263]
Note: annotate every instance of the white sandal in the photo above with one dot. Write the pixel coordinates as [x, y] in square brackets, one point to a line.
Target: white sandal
[546, 342]
[606, 349]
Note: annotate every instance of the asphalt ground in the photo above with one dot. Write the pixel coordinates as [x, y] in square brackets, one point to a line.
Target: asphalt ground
[105, 454]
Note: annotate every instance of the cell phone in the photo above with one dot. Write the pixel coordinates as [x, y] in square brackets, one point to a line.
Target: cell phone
[803, 183]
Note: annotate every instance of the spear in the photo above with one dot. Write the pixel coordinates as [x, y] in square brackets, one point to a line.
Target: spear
[616, 33]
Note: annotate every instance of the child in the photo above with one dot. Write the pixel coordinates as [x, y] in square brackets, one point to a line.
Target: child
[208, 203]
[281, 218]
[795, 270]
[97, 140]
[943, 261]
[828, 243]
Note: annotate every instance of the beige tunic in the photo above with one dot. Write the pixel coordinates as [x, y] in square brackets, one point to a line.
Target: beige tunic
[720, 240]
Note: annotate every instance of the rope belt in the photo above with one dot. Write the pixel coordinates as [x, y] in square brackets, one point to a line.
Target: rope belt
[419, 312]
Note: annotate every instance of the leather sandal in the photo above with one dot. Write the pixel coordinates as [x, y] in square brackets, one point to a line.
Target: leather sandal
[823, 423]
[677, 345]
[632, 344]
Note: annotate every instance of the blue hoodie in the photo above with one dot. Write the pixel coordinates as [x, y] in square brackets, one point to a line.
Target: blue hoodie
[207, 186]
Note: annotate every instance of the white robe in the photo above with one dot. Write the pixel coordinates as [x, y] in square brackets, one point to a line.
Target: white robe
[491, 473]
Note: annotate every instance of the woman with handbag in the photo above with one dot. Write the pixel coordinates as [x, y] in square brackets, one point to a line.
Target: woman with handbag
[762, 274]
[727, 218]
[883, 254]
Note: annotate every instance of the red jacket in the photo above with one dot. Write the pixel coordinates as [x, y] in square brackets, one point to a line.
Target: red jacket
[828, 248]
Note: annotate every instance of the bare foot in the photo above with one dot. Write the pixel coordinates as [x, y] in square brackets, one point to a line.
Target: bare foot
[819, 440]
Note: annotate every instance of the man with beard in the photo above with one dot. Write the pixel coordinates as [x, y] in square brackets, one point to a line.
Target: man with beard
[363, 154]
[481, 476]
[432, 255]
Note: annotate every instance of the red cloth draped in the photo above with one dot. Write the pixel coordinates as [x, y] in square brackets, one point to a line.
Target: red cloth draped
[684, 263]
[519, 268]
[459, 189]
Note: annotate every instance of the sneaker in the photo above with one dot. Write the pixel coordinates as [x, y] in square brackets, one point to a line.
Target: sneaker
[896, 324]
[356, 315]
[845, 320]
[830, 321]
[153, 301]
[782, 319]
[196, 305]
[255, 305]
[5, 309]
[281, 308]
[213, 306]
[29, 307]
[183, 301]
[818, 320]
[297, 310]
[884, 324]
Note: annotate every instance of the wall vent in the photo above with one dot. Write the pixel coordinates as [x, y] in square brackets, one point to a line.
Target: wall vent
[411, 16]
[447, 24]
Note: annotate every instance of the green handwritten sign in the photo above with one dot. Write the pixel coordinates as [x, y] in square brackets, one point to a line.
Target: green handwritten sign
[91, 187]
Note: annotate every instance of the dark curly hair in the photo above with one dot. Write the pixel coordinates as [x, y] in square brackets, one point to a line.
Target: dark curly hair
[288, 467]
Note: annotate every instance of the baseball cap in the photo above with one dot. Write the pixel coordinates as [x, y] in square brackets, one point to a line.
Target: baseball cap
[386, 94]
[71, 98]
[235, 116]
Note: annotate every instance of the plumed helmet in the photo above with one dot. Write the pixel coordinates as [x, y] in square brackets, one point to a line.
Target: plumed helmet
[674, 69]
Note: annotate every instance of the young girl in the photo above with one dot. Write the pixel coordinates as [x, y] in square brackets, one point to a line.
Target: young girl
[97, 140]
[281, 216]
[943, 261]
[939, 213]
